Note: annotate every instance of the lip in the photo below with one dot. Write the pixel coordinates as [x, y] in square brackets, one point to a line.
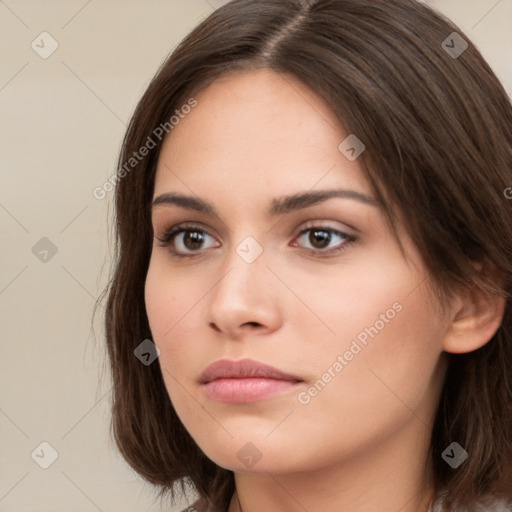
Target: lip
[245, 381]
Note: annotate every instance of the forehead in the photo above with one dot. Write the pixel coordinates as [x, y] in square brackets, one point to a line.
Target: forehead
[257, 128]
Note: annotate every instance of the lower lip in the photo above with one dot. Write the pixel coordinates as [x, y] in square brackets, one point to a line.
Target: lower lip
[247, 389]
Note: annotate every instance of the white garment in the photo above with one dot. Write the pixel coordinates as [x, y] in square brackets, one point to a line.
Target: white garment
[484, 505]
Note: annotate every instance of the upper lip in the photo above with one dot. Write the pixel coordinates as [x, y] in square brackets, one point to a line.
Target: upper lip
[244, 368]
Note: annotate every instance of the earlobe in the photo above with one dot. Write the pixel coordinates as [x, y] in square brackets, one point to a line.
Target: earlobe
[476, 318]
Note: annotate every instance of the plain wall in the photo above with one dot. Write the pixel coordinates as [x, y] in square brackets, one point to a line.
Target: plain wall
[62, 121]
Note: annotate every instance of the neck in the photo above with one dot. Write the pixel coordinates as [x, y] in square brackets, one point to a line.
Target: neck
[386, 478]
[252, 500]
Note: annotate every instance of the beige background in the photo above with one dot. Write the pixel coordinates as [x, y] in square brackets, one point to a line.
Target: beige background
[62, 121]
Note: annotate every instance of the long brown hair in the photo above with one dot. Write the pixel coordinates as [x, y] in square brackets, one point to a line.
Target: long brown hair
[437, 128]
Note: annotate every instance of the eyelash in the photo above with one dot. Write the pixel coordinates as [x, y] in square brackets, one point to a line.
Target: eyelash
[170, 234]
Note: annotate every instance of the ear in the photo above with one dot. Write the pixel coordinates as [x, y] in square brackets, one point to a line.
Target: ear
[476, 316]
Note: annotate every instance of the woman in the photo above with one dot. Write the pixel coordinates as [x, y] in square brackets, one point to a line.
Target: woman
[311, 306]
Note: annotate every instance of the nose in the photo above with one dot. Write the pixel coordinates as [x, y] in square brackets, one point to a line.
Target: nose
[245, 299]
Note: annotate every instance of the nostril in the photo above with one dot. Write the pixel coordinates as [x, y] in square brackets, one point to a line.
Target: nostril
[253, 324]
[214, 327]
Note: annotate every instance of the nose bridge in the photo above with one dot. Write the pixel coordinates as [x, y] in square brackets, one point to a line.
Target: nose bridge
[241, 296]
[244, 266]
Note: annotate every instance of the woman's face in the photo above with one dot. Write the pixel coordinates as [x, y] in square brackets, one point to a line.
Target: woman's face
[316, 286]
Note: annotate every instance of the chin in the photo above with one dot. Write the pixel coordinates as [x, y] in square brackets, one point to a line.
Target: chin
[255, 454]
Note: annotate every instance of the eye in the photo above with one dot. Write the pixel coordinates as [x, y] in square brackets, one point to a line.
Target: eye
[188, 240]
[321, 237]
[185, 240]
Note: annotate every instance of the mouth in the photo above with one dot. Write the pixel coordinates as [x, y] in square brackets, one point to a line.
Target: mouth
[245, 381]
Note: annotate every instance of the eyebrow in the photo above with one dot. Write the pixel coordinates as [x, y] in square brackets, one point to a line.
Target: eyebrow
[278, 206]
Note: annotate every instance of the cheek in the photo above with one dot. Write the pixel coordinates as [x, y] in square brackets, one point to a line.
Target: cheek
[340, 302]
[389, 351]
[384, 328]
[405, 359]
[168, 297]
[170, 308]
[175, 302]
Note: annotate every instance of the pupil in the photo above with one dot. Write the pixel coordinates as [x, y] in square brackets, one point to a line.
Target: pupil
[321, 236]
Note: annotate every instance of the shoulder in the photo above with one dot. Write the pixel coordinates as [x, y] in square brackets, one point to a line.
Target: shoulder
[500, 506]
[486, 504]
[493, 505]
[490, 504]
